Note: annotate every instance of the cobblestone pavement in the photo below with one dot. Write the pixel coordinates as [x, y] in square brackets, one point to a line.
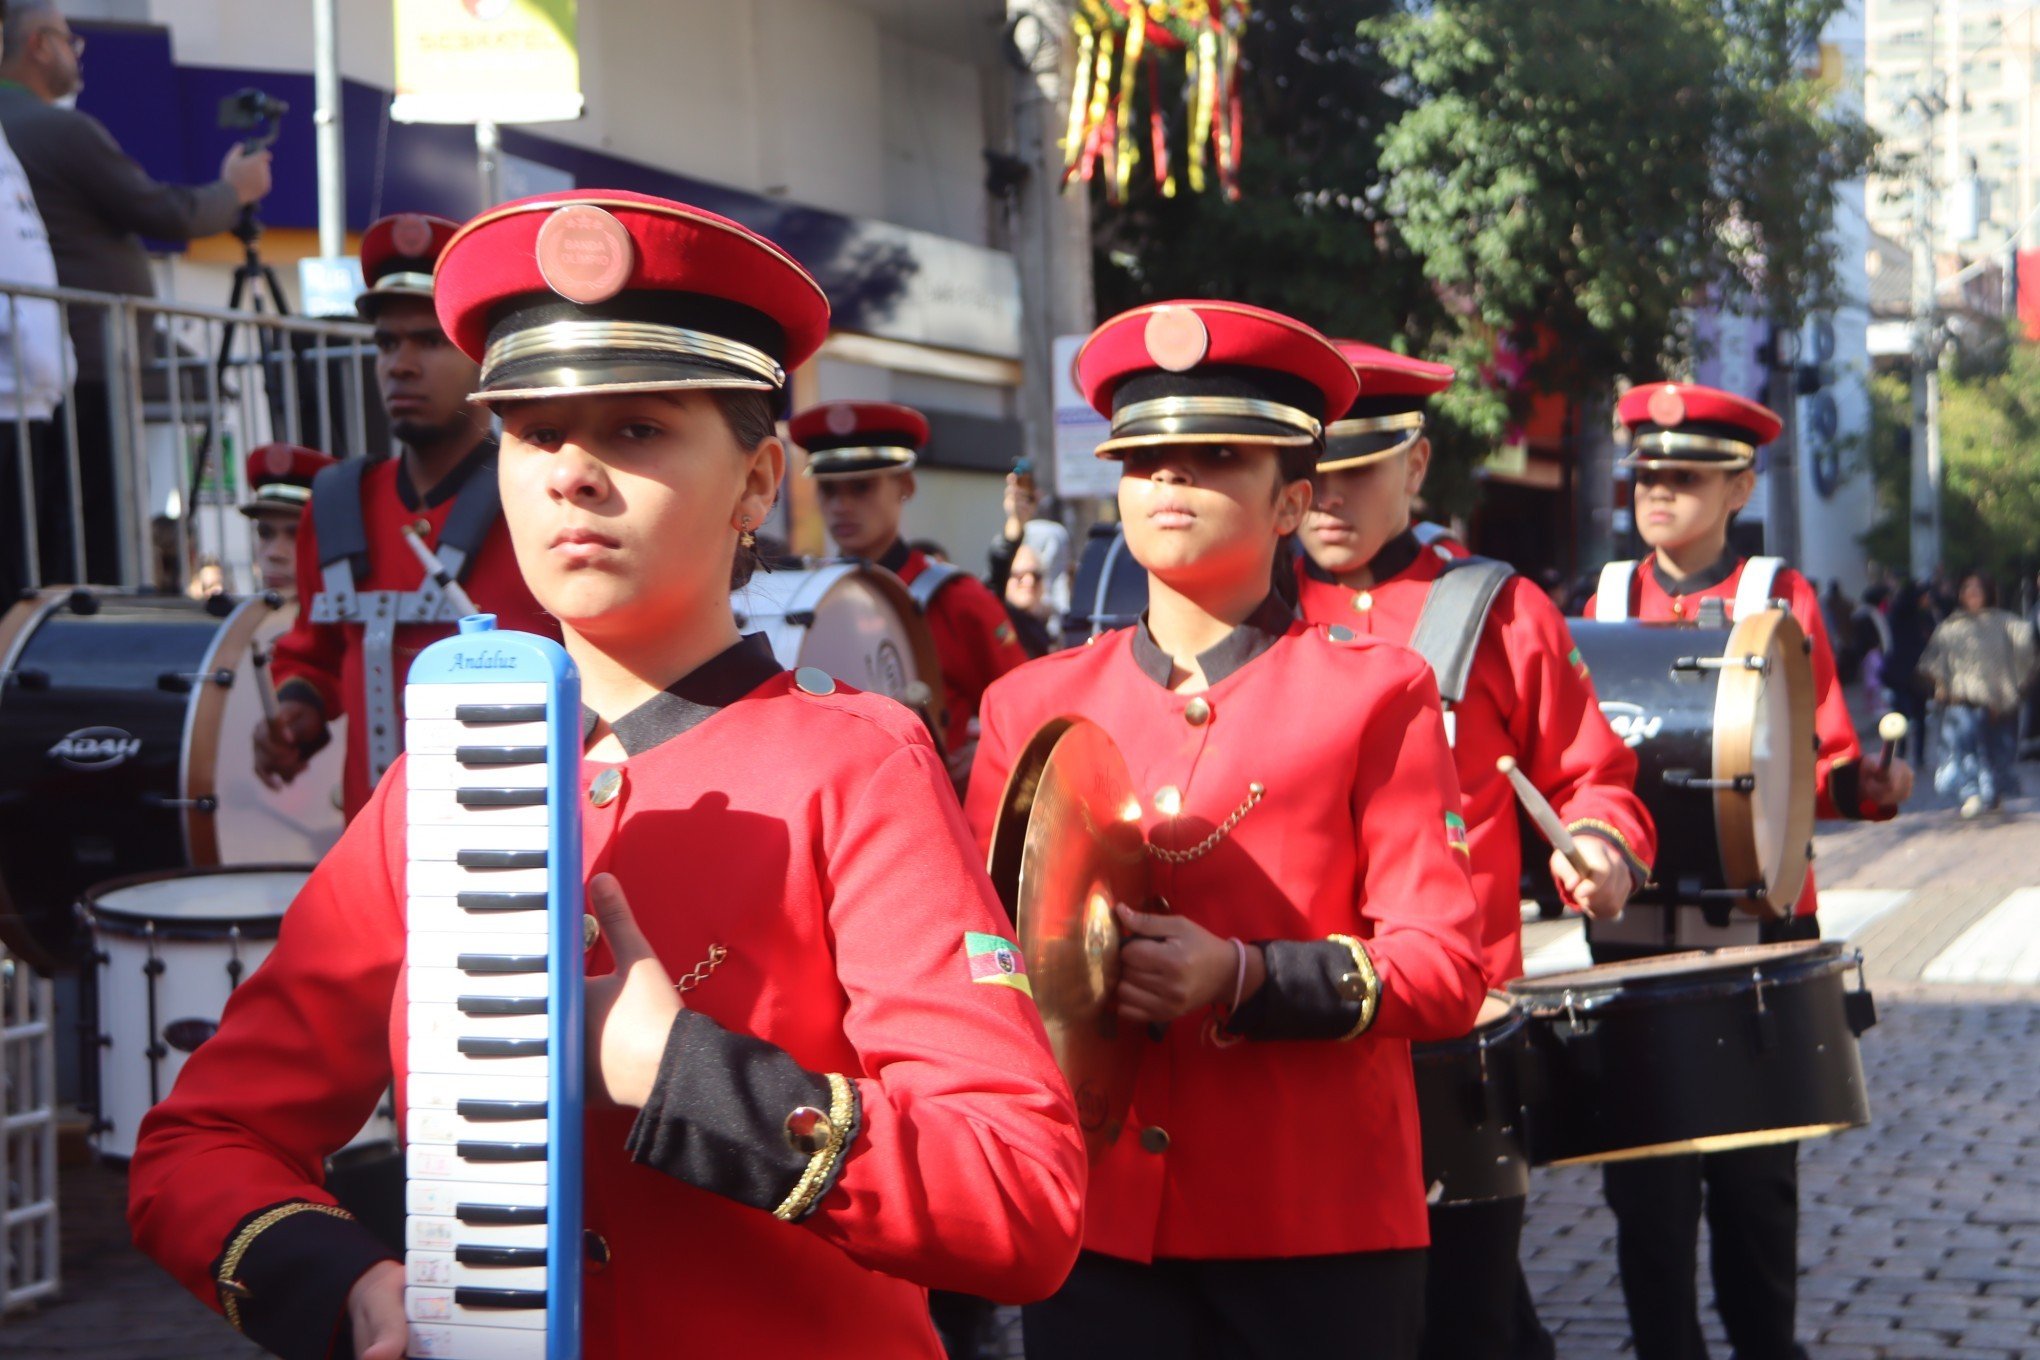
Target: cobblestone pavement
[1921, 1234]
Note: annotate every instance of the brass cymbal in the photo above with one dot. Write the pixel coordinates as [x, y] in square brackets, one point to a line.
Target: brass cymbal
[1083, 852]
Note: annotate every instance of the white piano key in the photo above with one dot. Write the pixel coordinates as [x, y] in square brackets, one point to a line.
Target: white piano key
[443, 1162]
[441, 878]
[440, 1053]
[444, 772]
[441, 1341]
[442, 736]
[441, 807]
[445, 842]
[436, 1092]
[435, 949]
[428, 983]
[446, 915]
[443, 1021]
[436, 1305]
[440, 700]
[425, 1232]
[443, 1198]
[442, 1268]
[445, 1126]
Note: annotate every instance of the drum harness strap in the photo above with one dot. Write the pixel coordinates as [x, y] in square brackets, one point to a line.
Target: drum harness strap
[930, 583]
[1754, 590]
[338, 521]
[1450, 625]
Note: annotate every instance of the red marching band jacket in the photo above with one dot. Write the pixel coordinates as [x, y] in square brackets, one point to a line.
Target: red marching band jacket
[1266, 1147]
[324, 662]
[974, 640]
[844, 896]
[1840, 753]
[1529, 696]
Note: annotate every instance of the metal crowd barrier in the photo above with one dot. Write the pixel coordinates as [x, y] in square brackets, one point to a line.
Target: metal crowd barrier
[188, 391]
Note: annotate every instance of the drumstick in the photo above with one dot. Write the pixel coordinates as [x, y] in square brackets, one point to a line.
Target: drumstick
[265, 689]
[1891, 729]
[1541, 813]
[437, 573]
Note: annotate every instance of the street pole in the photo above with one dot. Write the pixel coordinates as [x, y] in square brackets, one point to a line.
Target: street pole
[489, 161]
[331, 146]
[1926, 386]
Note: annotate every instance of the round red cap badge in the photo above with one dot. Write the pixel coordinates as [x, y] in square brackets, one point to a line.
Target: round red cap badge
[1176, 338]
[584, 254]
[841, 420]
[1667, 407]
[277, 460]
[411, 235]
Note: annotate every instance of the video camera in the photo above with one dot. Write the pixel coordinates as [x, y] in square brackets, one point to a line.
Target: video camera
[248, 109]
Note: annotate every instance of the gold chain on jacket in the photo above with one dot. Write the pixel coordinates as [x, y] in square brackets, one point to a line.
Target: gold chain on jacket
[699, 974]
[1255, 791]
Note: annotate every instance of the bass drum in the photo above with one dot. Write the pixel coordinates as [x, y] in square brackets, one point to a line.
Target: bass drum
[125, 725]
[1471, 1095]
[1721, 720]
[854, 620]
[1697, 1052]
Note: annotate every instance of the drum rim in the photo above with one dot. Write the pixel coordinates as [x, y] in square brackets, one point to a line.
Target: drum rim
[114, 921]
[198, 761]
[20, 623]
[1602, 981]
[1776, 635]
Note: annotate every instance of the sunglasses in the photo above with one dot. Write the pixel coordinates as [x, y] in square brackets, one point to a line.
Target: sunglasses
[75, 41]
[1033, 576]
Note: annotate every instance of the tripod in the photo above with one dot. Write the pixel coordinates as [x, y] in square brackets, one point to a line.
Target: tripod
[253, 277]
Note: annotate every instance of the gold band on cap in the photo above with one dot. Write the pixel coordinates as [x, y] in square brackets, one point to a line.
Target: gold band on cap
[898, 456]
[1168, 410]
[1401, 420]
[1666, 446]
[283, 491]
[402, 282]
[1412, 421]
[563, 338]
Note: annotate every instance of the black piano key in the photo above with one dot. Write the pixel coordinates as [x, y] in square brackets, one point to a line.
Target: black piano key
[500, 797]
[499, 755]
[500, 1256]
[501, 1005]
[471, 1047]
[500, 859]
[500, 901]
[501, 1215]
[501, 1152]
[467, 1296]
[499, 713]
[500, 963]
[491, 1111]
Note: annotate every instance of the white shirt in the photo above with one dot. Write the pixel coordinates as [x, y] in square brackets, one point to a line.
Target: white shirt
[34, 324]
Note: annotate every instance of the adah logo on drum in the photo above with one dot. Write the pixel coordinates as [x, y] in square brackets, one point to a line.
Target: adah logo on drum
[95, 748]
[1631, 722]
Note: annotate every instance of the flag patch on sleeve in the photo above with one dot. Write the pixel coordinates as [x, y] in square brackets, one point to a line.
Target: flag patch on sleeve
[1455, 833]
[1578, 663]
[996, 961]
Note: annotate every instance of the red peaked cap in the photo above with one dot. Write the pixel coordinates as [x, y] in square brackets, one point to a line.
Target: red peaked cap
[398, 254]
[1200, 371]
[1392, 381]
[280, 477]
[857, 438]
[1686, 425]
[708, 287]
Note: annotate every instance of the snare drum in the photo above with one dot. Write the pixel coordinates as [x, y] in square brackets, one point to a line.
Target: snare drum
[170, 950]
[1470, 1100]
[854, 620]
[1721, 720]
[1698, 1052]
[125, 727]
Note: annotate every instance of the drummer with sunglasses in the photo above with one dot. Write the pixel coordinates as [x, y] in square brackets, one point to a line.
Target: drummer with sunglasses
[1313, 911]
[1515, 686]
[1692, 450]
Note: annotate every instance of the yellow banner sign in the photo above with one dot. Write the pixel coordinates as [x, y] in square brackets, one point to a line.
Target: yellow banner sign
[486, 61]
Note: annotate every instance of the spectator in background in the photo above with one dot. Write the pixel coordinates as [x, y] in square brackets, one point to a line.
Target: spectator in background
[1979, 661]
[1912, 622]
[1869, 642]
[32, 337]
[1836, 612]
[1026, 522]
[1034, 621]
[98, 204]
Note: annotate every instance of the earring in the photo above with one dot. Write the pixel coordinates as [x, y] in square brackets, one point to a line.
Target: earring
[744, 534]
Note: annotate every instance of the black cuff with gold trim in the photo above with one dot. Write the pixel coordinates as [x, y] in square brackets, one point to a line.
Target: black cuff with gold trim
[1587, 826]
[1306, 994]
[285, 1272]
[1845, 789]
[737, 1116]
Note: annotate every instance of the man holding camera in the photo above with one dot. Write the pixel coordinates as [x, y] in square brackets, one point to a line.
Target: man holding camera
[98, 204]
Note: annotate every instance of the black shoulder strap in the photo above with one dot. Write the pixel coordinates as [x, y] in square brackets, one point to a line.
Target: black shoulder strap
[336, 514]
[474, 511]
[1454, 615]
[932, 580]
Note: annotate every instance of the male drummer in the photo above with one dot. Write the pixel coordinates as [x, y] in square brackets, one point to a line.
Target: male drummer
[861, 455]
[1310, 911]
[1514, 686]
[1691, 452]
[280, 486]
[368, 606]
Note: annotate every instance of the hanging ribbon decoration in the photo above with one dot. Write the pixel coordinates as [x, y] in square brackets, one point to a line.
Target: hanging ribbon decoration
[1114, 39]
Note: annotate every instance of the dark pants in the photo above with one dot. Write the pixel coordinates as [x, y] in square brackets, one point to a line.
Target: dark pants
[1477, 1305]
[1364, 1306]
[55, 495]
[1751, 1199]
[46, 462]
[963, 1321]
